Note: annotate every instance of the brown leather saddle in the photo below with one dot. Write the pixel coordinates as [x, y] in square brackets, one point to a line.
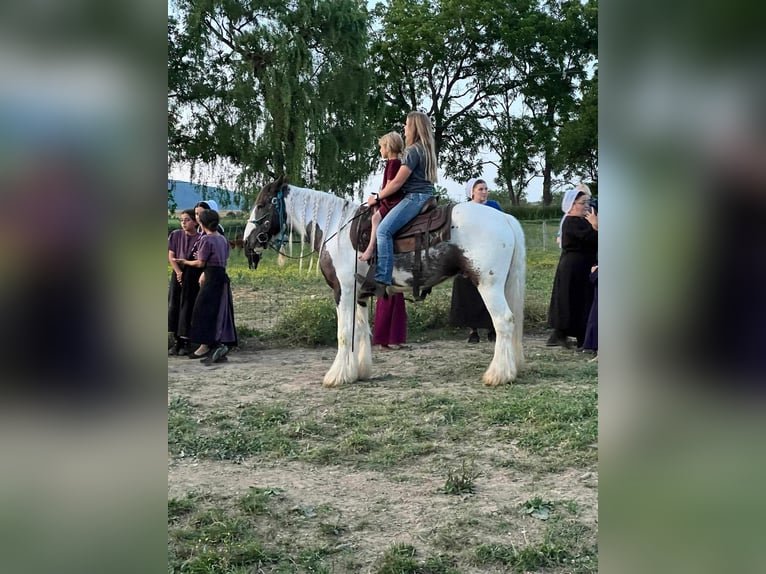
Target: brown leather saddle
[430, 227]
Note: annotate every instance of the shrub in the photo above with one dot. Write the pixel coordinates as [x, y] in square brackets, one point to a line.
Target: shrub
[309, 322]
[432, 312]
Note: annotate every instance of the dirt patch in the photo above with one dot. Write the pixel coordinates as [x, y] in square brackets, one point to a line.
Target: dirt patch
[405, 504]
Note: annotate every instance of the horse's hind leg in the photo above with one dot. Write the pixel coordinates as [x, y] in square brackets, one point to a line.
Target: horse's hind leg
[514, 295]
[502, 369]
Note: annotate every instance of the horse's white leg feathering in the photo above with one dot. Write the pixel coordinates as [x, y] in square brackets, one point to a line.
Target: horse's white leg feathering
[345, 369]
[502, 369]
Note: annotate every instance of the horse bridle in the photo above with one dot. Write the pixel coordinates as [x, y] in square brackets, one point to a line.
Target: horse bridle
[278, 206]
[263, 237]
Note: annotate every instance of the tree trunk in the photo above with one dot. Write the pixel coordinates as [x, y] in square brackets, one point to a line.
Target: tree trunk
[549, 116]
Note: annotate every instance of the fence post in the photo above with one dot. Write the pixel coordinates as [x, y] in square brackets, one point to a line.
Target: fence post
[545, 232]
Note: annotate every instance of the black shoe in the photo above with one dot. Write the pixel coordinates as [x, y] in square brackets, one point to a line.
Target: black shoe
[204, 355]
[370, 288]
[218, 354]
[491, 336]
[473, 337]
[557, 339]
[366, 283]
[179, 348]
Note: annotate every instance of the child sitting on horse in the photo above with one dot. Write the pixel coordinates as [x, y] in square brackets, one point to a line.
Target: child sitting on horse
[391, 148]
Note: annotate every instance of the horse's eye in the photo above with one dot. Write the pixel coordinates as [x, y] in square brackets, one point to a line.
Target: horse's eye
[273, 201]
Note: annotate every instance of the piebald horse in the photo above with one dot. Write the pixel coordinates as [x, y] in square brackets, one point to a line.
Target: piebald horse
[485, 244]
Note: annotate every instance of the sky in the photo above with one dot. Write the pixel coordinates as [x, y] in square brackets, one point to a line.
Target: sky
[455, 189]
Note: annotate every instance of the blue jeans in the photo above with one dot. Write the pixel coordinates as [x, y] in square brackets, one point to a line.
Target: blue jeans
[398, 217]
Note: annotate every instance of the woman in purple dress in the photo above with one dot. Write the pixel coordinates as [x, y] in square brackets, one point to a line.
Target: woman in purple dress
[180, 244]
[212, 323]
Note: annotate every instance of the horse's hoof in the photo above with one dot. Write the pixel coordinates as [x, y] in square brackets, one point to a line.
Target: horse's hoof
[494, 383]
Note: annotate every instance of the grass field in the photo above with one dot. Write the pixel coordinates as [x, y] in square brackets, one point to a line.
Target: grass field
[419, 470]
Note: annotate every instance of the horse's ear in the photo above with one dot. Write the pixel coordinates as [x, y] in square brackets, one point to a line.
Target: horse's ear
[280, 181]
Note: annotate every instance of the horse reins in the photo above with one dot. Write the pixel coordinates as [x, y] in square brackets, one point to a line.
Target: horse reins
[279, 203]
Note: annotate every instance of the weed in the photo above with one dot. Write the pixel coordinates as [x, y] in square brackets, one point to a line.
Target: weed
[461, 480]
[400, 559]
[332, 529]
[178, 507]
[256, 501]
[538, 508]
[528, 558]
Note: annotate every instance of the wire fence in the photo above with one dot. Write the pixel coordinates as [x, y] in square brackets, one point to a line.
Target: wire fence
[264, 298]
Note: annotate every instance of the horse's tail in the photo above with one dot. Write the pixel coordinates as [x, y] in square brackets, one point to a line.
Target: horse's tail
[514, 289]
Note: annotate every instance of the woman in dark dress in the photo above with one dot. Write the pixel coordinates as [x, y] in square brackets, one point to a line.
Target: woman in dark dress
[591, 331]
[212, 323]
[180, 244]
[572, 294]
[467, 308]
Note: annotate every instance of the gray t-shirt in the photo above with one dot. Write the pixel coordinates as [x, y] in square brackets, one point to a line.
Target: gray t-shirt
[415, 159]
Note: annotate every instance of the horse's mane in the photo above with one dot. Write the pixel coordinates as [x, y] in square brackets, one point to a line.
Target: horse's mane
[310, 208]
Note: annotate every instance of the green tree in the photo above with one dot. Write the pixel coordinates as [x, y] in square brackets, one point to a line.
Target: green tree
[552, 69]
[273, 88]
[442, 58]
[512, 138]
[502, 75]
[577, 156]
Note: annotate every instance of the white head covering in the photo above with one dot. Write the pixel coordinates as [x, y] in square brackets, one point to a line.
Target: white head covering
[469, 187]
[569, 199]
[566, 204]
[214, 206]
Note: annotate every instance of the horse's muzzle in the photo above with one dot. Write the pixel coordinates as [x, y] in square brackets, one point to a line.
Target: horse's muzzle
[262, 239]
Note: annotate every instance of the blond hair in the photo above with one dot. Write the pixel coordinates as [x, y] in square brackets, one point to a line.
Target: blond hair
[422, 132]
[393, 142]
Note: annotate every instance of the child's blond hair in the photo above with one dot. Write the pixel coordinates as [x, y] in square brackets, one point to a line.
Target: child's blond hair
[393, 142]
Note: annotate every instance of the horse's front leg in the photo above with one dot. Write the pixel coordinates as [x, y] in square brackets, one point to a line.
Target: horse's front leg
[362, 342]
[502, 369]
[349, 366]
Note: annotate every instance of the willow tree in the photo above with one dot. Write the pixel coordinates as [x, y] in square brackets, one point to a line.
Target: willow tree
[272, 88]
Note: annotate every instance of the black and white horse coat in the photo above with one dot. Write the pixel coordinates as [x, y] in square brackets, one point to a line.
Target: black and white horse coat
[486, 245]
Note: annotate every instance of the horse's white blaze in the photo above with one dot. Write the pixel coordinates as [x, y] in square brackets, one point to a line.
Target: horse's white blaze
[491, 242]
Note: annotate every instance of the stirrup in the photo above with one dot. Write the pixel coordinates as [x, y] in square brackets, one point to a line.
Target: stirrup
[420, 296]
